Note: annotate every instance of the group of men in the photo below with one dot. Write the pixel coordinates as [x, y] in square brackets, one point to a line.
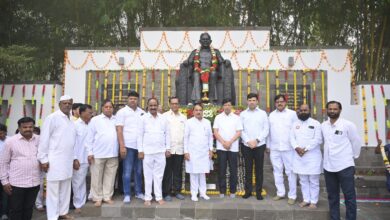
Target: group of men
[156, 145]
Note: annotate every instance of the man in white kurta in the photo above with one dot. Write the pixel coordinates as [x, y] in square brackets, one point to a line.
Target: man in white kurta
[227, 129]
[80, 151]
[56, 155]
[102, 147]
[281, 121]
[306, 138]
[198, 146]
[153, 147]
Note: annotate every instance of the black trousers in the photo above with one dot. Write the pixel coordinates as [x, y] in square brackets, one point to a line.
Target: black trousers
[256, 154]
[173, 174]
[3, 202]
[225, 158]
[21, 202]
[346, 180]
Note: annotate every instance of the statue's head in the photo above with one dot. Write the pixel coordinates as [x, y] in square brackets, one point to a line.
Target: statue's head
[205, 40]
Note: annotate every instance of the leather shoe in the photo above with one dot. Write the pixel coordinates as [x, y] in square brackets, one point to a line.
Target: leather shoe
[246, 195]
[259, 196]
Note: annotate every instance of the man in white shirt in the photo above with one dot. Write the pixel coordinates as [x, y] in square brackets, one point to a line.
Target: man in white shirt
[281, 121]
[55, 153]
[342, 145]
[153, 147]
[79, 176]
[227, 130]
[306, 138]
[102, 147]
[174, 166]
[254, 135]
[127, 123]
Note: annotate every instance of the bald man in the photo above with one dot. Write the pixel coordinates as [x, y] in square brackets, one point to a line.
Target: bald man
[306, 138]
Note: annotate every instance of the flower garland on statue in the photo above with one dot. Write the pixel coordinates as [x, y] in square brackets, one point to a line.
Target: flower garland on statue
[205, 72]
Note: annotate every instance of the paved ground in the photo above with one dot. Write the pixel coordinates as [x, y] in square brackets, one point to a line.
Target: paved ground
[217, 208]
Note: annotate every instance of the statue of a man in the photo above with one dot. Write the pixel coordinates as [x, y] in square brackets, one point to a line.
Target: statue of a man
[205, 75]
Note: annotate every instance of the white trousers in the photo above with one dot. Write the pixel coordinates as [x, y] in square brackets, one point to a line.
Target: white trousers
[39, 202]
[198, 184]
[310, 186]
[57, 198]
[79, 186]
[154, 166]
[280, 160]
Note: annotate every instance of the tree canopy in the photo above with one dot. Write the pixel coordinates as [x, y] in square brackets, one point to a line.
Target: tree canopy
[34, 34]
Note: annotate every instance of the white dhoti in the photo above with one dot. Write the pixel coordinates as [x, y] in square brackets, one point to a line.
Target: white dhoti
[79, 186]
[280, 160]
[154, 166]
[198, 184]
[57, 198]
[310, 186]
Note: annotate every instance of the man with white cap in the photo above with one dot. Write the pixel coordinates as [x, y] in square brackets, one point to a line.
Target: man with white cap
[56, 156]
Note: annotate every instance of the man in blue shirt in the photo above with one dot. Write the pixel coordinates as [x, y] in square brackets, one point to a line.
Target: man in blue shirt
[387, 152]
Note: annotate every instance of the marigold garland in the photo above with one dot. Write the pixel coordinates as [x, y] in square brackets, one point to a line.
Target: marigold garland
[32, 101]
[143, 88]
[386, 112]
[105, 84]
[304, 87]
[1, 98]
[295, 91]
[11, 100]
[89, 88]
[268, 107]
[24, 100]
[97, 91]
[120, 85]
[365, 126]
[248, 81]
[205, 72]
[162, 89]
[277, 82]
[42, 103]
[53, 98]
[313, 74]
[323, 92]
[374, 112]
[113, 84]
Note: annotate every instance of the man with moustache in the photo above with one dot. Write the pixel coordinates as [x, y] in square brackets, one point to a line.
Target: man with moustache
[254, 135]
[102, 147]
[20, 171]
[281, 155]
[56, 155]
[127, 123]
[342, 145]
[306, 138]
[198, 151]
[154, 147]
[80, 151]
[227, 131]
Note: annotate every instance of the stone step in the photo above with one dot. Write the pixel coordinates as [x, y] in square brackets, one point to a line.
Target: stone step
[217, 208]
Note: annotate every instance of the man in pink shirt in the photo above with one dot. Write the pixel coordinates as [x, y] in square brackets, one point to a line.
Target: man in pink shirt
[19, 170]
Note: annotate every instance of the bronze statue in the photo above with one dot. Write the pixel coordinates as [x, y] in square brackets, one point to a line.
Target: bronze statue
[205, 76]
